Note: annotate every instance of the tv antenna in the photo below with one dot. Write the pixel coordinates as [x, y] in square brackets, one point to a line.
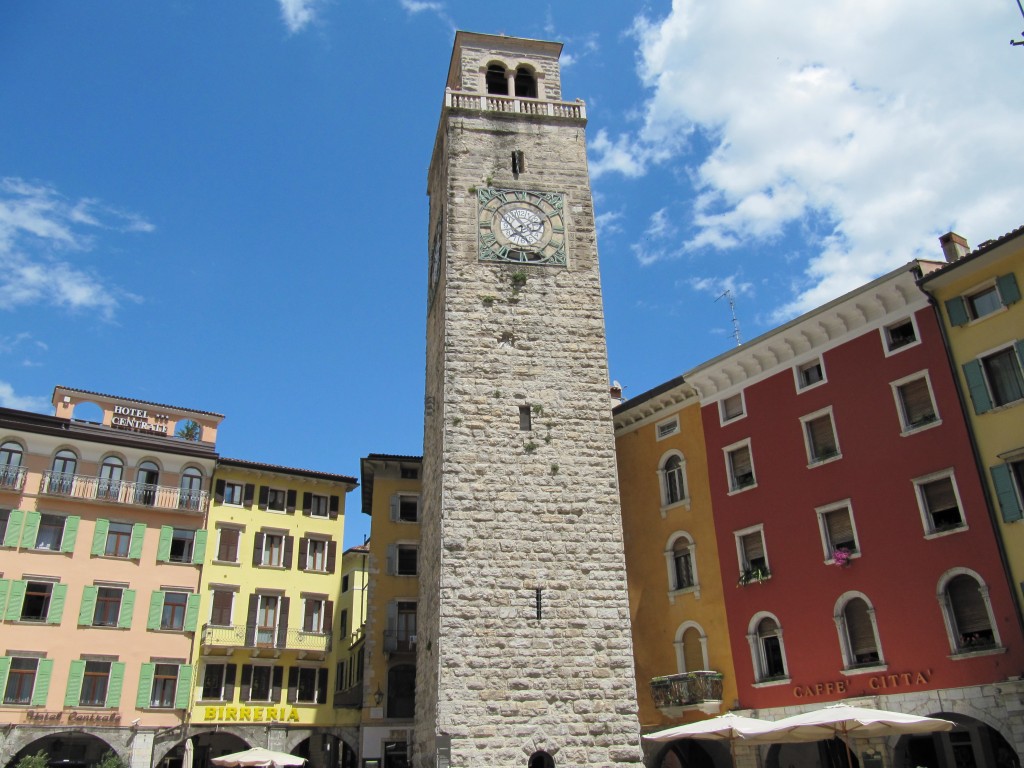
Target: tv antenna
[1019, 42]
[732, 308]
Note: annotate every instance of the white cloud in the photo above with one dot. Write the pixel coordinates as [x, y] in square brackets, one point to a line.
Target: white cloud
[39, 231]
[298, 14]
[608, 223]
[8, 399]
[414, 7]
[847, 114]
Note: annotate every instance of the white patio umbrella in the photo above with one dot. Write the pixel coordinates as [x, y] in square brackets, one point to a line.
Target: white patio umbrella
[258, 757]
[846, 721]
[728, 727]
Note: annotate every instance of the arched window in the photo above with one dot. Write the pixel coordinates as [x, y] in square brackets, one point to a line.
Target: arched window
[691, 647]
[11, 454]
[540, 760]
[402, 691]
[111, 475]
[526, 83]
[191, 489]
[673, 479]
[858, 633]
[146, 481]
[680, 557]
[62, 476]
[767, 650]
[967, 611]
[497, 80]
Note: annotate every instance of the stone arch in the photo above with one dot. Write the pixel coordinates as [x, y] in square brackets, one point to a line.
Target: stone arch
[223, 740]
[90, 745]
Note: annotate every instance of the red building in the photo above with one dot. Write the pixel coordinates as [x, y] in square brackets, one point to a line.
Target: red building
[848, 508]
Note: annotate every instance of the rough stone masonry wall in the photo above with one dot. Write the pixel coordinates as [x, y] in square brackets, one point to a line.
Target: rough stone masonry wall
[522, 511]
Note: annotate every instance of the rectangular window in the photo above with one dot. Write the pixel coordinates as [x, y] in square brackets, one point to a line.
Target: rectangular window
[753, 558]
[899, 335]
[344, 583]
[809, 374]
[227, 545]
[316, 555]
[266, 620]
[173, 615]
[213, 682]
[233, 494]
[165, 686]
[1004, 377]
[276, 499]
[21, 679]
[940, 505]
[407, 560]
[36, 605]
[95, 683]
[119, 539]
[837, 532]
[182, 542]
[983, 302]
[820, 437]
[51, 531]
[313, 615]
[410, 473]
[262, 683]
[668, 427]
[731, 407]
[319, 506]
[220, 612]
[273, 549]
[306, 690]
[408, 507]
[740, 466]
[525, 419]
[5, 516]
[914, 403]
[108, 606]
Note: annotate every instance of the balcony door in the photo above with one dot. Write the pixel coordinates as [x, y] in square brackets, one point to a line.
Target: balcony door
[111, 475]
[266, 620]
[146, 481]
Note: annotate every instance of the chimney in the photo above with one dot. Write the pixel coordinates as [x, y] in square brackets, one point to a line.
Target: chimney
[954, 247]
[616, 391]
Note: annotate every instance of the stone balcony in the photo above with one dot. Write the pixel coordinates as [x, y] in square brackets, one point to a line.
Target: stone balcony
[675, 694]
[489, 102]
[87, 488]
[263, 641]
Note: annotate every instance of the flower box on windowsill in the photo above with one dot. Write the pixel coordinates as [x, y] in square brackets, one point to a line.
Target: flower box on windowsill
[751, 575]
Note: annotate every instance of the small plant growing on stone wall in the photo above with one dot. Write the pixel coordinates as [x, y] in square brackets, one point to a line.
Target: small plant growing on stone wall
[497, 394]
[456, 421]
[530, 447]
[554, 469]
[487, 299]
[538, 410]
[518, 280]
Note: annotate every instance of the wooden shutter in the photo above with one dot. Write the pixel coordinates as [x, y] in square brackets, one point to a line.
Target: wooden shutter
[247, 494]
[289, 545]
[145, 691]
[73, 691]
[12, 535]
[975, 376]
[293, 684]
[124, 616]
[99, 537]
[250, 621]
[30, 530]
[218, 491]
[290, 504]
[183, 690]
[55, 610]
[230, 670]
[332, 556]
[156, 609]
[67, 540]
[264, 495]
[192, 613]
[307, 503]
[15, 600]
[87, 610]
[321, 685]
[246, 682]
[138, 539]
[328, 617]
[275, 694]
[1002, 479]
[335, 505]
[1009, 293]
[5, 669]
[956, 311]
[303, 552]
[44, 673]
[5, 588]
[282, 624]
[257, 549]
[115, 684]
[163, 547]
[199, 547]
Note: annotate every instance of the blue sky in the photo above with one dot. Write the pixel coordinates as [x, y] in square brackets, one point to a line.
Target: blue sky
[222, 205]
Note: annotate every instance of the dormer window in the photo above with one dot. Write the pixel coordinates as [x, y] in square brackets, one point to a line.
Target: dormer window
[526, 84]
[497, 80]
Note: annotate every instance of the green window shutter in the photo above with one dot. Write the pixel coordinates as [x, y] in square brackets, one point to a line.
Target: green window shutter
[124, 616]
[1009, 293]
[976, 384]
[138, 537]
[115, 684]
[1005, 492]
[67, 541]
[87, 611]
[57, 598]
[5, 668]
[30, 530]
[183, 691]
[73, 693]
[156, 609]
[199, 547]
[192, 613]
[14, 600]
[99, 537]
[142, 697]
[163, 549]
[13, 534]
[5, 588]
[42, 687]
[956, 311]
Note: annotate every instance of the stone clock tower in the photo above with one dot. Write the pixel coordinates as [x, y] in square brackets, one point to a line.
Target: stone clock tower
[524, 656]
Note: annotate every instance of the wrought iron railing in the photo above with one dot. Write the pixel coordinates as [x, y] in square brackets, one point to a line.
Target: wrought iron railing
[250, 636]
[687, 689]
[123, 492]
[489, 102]
[12, 478]
[399, 641]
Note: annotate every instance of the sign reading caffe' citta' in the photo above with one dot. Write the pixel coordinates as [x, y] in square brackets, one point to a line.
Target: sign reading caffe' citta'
[138, 420]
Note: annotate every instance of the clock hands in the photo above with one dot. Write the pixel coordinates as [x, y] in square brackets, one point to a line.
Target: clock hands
[528, 230]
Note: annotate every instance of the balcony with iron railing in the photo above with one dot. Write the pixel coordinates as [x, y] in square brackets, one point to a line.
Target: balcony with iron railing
[87, 488]
[490, 102]
[12, 478]
[675, 694]
[264, 641]
[399, 641]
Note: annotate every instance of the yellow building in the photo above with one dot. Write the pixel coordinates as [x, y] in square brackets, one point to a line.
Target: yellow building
[268, 642]
[680, 635]
[979, 293]
[348, 691]
[391, 496]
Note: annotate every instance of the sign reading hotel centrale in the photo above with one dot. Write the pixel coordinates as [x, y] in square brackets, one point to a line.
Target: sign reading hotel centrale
[138, 420]
[74, 716]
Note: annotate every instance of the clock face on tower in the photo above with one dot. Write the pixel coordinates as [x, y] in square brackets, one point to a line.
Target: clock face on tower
[520, 226]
